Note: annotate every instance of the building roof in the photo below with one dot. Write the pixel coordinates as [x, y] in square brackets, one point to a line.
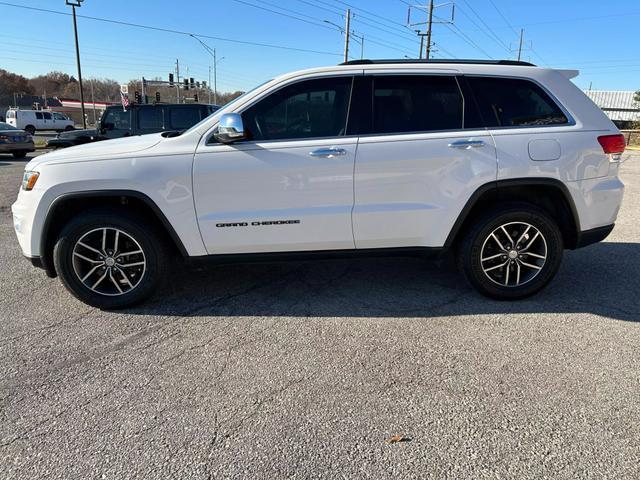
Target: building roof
[618, 105]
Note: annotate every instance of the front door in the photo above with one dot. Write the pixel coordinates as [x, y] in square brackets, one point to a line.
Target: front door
[420, 158]
[289, 187]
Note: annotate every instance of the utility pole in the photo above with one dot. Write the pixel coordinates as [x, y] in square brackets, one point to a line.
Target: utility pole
[215, 78]
[429, 27]
[209, 84]
[520, 47]
[93, 101]
[177, 81]
[429, 23]
[74, 4]
[347, 32]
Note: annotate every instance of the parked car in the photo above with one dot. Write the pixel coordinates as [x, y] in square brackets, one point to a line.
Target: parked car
[32, 120]
[501, 163]
[14, 141]
[117, 122]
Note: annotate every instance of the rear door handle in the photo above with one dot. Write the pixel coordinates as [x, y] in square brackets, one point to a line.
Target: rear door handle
[468, 143]
[328, 152]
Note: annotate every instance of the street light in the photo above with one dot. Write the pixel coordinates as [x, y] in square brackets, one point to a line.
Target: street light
[73, 4]
[212, 52]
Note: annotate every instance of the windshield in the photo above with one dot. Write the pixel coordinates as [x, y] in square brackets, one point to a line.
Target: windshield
[6, 126]
[225, 107]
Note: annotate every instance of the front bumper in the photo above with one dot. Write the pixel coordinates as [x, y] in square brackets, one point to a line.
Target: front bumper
[60, 143]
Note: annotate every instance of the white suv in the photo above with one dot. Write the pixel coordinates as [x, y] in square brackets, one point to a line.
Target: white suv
[503, 163]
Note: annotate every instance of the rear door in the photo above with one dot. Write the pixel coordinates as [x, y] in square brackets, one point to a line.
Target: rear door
[421, 155]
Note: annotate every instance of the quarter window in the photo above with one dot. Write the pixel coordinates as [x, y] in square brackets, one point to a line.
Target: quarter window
[513, 102]
[307, 109]
[414, 103]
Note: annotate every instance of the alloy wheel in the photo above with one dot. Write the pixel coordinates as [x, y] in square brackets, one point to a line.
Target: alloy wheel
[109, 261]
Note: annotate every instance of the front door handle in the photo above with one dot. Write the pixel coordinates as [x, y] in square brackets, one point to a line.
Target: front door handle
[328, 152]
[467, 143]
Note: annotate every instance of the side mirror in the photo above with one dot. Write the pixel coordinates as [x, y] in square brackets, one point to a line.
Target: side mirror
[230, 128]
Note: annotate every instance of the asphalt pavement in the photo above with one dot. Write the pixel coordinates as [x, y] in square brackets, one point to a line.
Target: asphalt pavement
[307, 369]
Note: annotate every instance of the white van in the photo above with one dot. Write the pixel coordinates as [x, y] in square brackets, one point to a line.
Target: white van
[32, 120]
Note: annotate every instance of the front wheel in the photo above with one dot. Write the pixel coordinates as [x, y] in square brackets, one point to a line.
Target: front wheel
[109, 260]
[512, 252]
[68, 128]
[19, 154]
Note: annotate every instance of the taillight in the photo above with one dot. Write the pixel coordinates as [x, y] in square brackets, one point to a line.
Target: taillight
[612, 144]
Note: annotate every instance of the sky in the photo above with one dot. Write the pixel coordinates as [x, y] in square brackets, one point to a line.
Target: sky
[598, 38]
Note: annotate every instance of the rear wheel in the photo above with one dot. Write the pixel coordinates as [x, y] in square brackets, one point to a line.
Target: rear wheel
[512, 252]
[19, 154]
[110, 260]
[30, 129]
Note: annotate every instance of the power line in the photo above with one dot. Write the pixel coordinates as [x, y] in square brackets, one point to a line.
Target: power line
[178, 32]
[504, 18]
[466, 38]
[487, 30]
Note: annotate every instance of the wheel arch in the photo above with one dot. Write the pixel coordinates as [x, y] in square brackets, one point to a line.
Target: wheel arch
[547, 193]
[64, 207]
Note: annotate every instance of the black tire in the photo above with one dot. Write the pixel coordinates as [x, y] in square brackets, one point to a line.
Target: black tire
[30, 129]
[68, 128]
[149, 240]
[515, 217]
[19, 154]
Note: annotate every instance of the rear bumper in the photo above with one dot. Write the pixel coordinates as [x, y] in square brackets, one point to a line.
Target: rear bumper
[17, 147]
[595, 235]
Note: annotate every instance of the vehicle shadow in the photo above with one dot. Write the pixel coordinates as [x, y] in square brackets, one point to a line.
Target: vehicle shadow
[601, 279]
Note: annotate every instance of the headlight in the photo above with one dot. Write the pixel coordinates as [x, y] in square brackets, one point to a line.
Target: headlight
[29, 180]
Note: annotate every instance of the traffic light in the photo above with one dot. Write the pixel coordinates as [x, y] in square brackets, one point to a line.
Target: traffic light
[171, 79]
[195, 97]
[157, 97]
[204, 84]
[193, 84]
[186, 84]
[138, 98]
[197, 84]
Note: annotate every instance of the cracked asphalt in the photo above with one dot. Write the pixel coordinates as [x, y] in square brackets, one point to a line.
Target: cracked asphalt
[305, 369]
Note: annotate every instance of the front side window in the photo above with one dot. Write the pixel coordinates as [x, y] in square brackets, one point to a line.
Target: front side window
[416, 103]
[308, 109]
[150, 118]
[117, 119]
[59, 116]
[514, 102]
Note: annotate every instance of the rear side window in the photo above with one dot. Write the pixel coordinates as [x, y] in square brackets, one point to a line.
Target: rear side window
[416, 103]
[512, 102]
[183, 118]
[39, 115]
[150, 118]
[47, 115]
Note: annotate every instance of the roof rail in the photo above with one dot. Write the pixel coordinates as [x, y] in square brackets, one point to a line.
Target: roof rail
[439, 60]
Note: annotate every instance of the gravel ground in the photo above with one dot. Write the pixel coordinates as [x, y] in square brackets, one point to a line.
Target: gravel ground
[305, 369]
